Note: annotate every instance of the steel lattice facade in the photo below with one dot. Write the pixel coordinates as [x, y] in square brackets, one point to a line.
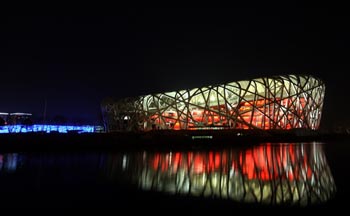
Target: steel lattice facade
[277, 102]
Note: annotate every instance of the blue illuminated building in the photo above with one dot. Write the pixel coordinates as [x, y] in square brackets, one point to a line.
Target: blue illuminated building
[22, 123]
[49, 128]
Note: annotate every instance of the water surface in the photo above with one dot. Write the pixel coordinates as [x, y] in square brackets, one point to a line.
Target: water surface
[264, 176]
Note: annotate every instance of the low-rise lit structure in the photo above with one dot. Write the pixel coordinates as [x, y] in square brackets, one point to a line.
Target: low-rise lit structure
[18, 122]
[277, 102]
[44, 128]
[15, 118]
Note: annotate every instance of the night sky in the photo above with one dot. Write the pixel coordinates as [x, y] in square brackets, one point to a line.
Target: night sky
[73, 62]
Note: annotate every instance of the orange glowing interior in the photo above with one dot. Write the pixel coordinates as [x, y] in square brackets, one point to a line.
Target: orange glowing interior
[258, 113]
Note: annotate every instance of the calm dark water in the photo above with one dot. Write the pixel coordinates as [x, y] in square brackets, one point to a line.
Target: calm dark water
[269, 176]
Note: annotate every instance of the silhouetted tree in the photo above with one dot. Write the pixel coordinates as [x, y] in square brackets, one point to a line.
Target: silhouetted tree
[2, 122]
[27, 121]
[59, 119]
[78, 121]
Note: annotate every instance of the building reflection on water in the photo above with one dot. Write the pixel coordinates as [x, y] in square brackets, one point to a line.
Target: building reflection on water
[287, 174]
[8, 162]
[291, 174]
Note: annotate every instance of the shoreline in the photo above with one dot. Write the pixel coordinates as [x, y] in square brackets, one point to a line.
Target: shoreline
[158, 140]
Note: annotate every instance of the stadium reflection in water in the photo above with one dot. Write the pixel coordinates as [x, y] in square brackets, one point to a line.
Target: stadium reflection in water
[266, 174]
[287, 174]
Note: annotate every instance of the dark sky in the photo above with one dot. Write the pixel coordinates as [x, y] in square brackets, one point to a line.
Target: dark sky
[75, 61]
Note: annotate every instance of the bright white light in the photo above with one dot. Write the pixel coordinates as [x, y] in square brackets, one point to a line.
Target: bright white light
[124, 162]
[21, 114]
[200, 100]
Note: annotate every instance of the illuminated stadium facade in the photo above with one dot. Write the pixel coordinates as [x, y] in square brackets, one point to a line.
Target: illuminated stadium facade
[277, 102]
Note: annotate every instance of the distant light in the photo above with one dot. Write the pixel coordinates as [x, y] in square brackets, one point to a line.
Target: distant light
[124, 162]
[202, 137]
[24, 114]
